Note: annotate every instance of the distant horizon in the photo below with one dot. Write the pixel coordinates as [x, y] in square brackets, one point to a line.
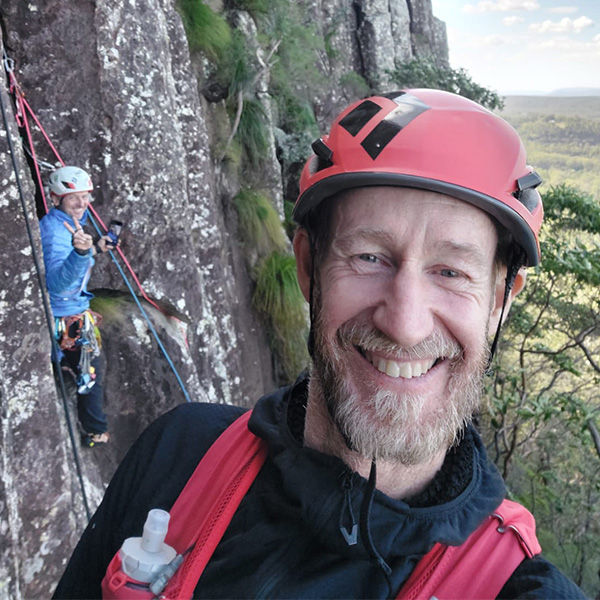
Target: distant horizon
[514, 47]
[566, 92]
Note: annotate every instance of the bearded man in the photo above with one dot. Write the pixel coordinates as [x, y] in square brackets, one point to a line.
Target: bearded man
[417, 217]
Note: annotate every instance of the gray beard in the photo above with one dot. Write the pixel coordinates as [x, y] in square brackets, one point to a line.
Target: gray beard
[389, 426]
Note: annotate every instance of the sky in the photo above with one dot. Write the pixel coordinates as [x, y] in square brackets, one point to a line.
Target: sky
[524, 46]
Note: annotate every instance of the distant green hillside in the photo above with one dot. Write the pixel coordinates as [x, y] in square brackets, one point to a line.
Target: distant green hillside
[562, 136]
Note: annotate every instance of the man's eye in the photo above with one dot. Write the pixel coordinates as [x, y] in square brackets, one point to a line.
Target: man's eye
[449, 273]
[368, 258]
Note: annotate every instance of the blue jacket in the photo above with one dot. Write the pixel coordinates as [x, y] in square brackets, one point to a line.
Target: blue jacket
[67, 272]
[284, 540]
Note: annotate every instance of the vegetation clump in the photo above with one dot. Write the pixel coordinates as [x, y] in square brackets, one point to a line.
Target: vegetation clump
[541, 417]
[259, 223]
[423, 72]
[279, 300]
[206, 31]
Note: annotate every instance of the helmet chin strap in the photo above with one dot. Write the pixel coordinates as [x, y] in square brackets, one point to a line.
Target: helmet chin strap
[516, 261]
[311, 305]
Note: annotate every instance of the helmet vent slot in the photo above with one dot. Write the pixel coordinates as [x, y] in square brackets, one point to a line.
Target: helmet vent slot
[355, 120]
[389, 127]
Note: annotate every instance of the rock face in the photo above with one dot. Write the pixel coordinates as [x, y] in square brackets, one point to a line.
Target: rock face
[114, 86]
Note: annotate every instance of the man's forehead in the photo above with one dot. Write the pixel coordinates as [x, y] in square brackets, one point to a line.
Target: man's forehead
[374, 199]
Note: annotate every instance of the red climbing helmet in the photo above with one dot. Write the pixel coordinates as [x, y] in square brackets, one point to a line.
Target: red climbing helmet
[431, 140]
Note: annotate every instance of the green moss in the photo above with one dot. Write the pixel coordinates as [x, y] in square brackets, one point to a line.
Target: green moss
[206, 31]
[354, 85]
[259, 224]
[112, 306]
[279, 300]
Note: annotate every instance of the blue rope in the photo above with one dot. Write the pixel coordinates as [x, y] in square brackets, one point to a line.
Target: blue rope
[145, 315]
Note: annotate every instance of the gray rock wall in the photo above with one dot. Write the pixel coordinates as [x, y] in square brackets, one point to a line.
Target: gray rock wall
[116, 90]
[36, 499]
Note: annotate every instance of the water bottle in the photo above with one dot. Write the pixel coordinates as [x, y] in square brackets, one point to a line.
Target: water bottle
[143, 566]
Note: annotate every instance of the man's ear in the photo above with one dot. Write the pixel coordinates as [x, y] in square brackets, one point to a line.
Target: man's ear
[517, 287]
[303, 261]
[55, 199]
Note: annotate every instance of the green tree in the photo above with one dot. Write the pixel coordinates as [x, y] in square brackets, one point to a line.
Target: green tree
[423, 72]
[541, 417]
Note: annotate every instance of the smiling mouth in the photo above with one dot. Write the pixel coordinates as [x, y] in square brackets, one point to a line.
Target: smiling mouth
[395, 369]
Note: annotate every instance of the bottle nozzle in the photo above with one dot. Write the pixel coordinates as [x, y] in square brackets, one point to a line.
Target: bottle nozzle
[155, 530]
[142, 558]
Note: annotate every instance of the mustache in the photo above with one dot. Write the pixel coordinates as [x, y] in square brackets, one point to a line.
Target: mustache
[370, 339]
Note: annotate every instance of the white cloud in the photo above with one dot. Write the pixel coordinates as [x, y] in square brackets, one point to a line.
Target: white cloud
[565, 10]
[565, 25]
[501, 6]
[514, 20]
[494, 40]
[568, 49]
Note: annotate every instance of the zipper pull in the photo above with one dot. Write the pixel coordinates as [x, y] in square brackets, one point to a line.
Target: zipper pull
[350, 535]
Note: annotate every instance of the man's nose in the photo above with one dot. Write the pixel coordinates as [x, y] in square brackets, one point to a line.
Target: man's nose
[405, 312]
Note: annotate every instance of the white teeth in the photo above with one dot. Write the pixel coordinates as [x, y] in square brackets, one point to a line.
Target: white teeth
[406, 370]
[392, 369]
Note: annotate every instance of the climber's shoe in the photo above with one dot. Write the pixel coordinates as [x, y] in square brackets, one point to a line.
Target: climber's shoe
[89, 440]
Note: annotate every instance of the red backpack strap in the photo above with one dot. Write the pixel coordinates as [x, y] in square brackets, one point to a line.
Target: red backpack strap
[209, 500]
[478, 568]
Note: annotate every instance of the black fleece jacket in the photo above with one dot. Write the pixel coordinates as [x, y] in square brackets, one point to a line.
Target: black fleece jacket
[285, 540]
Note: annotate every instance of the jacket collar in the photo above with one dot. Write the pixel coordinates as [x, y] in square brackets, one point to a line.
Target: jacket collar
[329, 494]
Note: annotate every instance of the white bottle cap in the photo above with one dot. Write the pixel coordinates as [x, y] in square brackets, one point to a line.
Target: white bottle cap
[142, 557]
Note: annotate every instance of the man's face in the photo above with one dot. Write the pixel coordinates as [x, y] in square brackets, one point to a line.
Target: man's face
[74, 204]
[403, 299]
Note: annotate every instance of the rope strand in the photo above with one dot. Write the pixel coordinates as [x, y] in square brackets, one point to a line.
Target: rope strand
[49, 320]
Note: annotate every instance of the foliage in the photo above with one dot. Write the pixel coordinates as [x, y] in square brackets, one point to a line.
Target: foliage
[423, 72]
[565, 148]
[252, 132]
[206, 31]
[542, 399]
[111, 305]
[259, 222]
[354, 85]
[254, 7]
[288, 222]
[235, 71]
[294, 76]
[278, 299]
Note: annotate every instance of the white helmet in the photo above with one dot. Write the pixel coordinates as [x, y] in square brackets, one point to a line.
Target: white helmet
[67, 180]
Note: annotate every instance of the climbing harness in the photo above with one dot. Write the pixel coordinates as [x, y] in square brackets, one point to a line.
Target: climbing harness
[81, 333]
